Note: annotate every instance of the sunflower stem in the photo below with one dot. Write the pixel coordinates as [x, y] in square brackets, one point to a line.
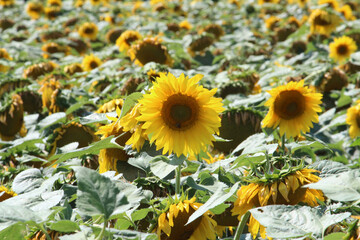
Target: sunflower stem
[101, 234]
[283, 144]
[177, 180]
[241, 225]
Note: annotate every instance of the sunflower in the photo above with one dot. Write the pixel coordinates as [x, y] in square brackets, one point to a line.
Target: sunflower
[111, 106]
[6, 193]
[214, 29]
[150, 50]
[341, 48]
[54, 3]
[185, 25]
[48, 90]
[272, 22]
[95, 2]
[34, 9]
[180, 115]
[152, 75]
[171, 224]
[323, 22]
[4, 55]
[91, 62]
[32, 102]
[302, 3]
[88, 30]
[200, 44]
[112, 35]
[285, 190]
[39, 69]
[53, 47]
[52, 12]
[347, 12]
[73, 68]
[7, 3]
[329, 3]
[261, 2]
[353, 119]
[126, 39]
[293, 108]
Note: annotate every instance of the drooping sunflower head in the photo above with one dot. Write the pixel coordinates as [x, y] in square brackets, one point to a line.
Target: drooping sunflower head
[52, 12]
[34, 9]
[111, 106]
[32, 101]
[261, 2]
[180, 115]
[51, 35]
[353, 119]
[341, 48]
[7, 3]
[91, 62]
[54, 3]
[171, 224]
[293, 107]
[323, 22]
[88, 30]
[127, 38]
[347, 12]
[329, 3]
[10, 84]
[53, 47]
[79, 45]
[214, 29]
[6, 193]
[200, 44]
[272, 22]
[4, 55]
[112, 35]
[185, 25]
[335, 79]
[73, 68]
[150, 50]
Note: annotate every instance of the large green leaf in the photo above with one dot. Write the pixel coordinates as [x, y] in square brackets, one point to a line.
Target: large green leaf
[98, 195]
[295, 221]
[65, 226]
[162, 166]
[27, 180]
[344, 186]
[16, 231]
[130, 102]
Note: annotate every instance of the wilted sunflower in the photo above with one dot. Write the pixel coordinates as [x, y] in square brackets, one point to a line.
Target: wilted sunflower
[181, 115]
[73, 68]
[149, 50]
[12, 119]
[53, 47]
[91, 62]
[323, 22]
[199, 44]
[48, 90]
[341, 48]
[171, 224]
[353, 119]
[293, 108]
[54, 3]
[34, 9]
[4, 55]
[52, 12]
[126, 39]
[88, 30]
[111, 106]
[39, 69]
[6, 193]
[214, 29]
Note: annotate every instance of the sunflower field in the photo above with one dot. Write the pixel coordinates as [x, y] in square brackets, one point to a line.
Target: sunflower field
[179, 119]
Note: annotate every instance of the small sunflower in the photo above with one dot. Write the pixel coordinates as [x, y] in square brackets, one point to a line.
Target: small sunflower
[112, 35]
[91, 62]
[52, 12]
[54, 3]
[353, 119]
[48, 90]
[323, 22]
[293, 108]
[185, 25]
[150, 50]
[4, 55]
[126, 39]
[329, 3]
[285, 190]
[152, 75]
[346, 11]
[111, 106]
[53, 47]
[88, 30]
[34, 9]
[272, 22]
[200, 44]
[341, 49]
[261, 2]
[6, 193]
[39, 69]
[181, 115]
[73, 68]
[214, 29]
[7, 3]
[171, 224]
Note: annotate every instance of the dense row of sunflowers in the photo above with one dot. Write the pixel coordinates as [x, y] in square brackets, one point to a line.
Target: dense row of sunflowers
[179, 119]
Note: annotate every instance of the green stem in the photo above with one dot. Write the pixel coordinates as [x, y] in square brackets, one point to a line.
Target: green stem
[241, 225]
[177, 180]
[101, 234]
[283, 144]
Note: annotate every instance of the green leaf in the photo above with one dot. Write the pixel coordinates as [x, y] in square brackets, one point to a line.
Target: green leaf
[76, 236]
[77, 106]
[27, 180]
[216, 199]
[247, 160]
[161, 167]
[130, 102]
[52, 119]
[140, 214]
[66, 226]
[356, 142]
[295, 221]
[341, 187]
[335, 236]
[96, 118]
[16, 231]
[98, 195]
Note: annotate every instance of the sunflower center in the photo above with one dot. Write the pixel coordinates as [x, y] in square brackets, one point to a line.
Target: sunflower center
[93, 64]
[150, 52]
[342, 49]
[289, 104]
[88, 30]
[180, 112]
[358, 120]
[321, 21]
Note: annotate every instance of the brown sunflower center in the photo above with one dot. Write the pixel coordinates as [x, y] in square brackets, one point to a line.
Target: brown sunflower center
[180, 112]
[88, 30]
[289, 104]
[35, 8]
[131, 39]
[150, 52]
[342, 49]
[321, 20]
[358, 120]
[93, 64]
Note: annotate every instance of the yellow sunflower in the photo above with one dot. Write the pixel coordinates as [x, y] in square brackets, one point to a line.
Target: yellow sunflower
[272, 22]
[111, 106]
[346, 11]
[52, 12]
[39, 69]
[341, 48]
[54, 3]
[4, 55]
[73, 68]
[34, 9]
[126, 39]
[185, 25]
[287, 191]
[293, 108]
[7, 3]
[150, 50]
[180, 115]
[329, 3]
[6, 193]
[261, 2]
[353, 119]
[88, 30]
[302, 3]
[91, 62]
[171, 224]
[323, 22]
[53, 47]
[214, 29]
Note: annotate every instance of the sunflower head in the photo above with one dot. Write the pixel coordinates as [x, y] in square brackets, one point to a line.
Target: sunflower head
[323, 22]
[12, 118]
[51, 35]
[347, 12]
[185, 25]
[200, 44]
[53, 47]
[214, 29]
[79, 45]
[173, 27]
[150, 50]
[171, 223]
[111, 106]
[6, 193]
[126, 39]
[88, 30]
[329, 3]
[32, 101]
[54, 3]
[112, 35]
[131, 85]
[353, 119]
[4, 55]
[9, 85]
[91, 62]
[298, 47]
[50, 89]
[272, 22]
[341, 48]
[34, 9]
[52, 12]
[335, 79]
[6, 23]
[7, 3]
[180, 115]
[73, 68]
[293, 107]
